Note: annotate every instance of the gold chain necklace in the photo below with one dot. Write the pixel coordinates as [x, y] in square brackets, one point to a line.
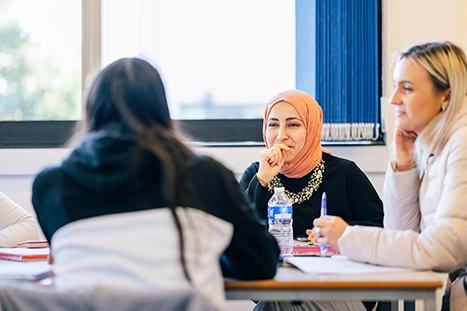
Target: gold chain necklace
[305, 194]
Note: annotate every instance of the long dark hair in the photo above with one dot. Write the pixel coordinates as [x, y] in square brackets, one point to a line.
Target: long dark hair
[130, 92]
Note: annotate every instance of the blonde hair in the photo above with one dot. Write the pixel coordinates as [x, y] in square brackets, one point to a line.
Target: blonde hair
[446, 65]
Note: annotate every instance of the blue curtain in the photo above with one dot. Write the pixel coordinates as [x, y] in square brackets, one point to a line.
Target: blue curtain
[347, 66]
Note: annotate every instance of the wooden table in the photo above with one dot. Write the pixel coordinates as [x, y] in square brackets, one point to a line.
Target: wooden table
[292, 284]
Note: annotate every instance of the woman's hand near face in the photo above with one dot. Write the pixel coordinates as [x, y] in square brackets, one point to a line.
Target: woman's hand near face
[331, 229]
[403, 143]
[271, 161]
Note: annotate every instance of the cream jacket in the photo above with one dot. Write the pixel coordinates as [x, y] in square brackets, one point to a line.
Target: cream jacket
[425, 221]
[16, 224]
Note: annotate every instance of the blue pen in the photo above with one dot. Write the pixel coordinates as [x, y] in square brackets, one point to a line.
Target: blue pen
[324, 212]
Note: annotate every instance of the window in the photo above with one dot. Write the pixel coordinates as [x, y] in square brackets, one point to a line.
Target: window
[218, 78]
[225, 62]
[40, 60]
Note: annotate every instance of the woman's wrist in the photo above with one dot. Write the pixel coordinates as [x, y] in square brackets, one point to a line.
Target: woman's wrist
[397, 167]
[262, 182]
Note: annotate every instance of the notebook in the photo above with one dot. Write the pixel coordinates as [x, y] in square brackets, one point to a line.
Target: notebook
[24, 254]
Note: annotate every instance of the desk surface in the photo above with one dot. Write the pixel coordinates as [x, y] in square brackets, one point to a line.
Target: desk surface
[292, 278]
[292, 284]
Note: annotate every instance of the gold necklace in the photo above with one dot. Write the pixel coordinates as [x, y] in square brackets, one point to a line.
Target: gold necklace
[305, 194]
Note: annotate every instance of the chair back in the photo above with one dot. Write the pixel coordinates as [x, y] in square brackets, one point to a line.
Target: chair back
[47, 298]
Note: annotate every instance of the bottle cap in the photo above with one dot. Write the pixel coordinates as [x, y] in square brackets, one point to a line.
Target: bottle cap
[279, 190]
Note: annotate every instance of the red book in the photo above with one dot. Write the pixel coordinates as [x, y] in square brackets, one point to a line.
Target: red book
[24, 254]
[311, 250]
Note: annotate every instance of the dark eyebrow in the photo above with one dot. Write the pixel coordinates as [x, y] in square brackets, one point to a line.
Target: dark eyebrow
[287, 119]
[293, 118]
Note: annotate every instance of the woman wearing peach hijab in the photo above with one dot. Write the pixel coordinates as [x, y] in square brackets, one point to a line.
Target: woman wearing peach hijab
[295, 160]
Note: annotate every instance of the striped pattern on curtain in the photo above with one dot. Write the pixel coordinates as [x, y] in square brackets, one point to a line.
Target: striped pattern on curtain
[348, 68]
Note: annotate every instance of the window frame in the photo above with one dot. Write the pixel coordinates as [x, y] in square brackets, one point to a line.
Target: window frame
[210, 132]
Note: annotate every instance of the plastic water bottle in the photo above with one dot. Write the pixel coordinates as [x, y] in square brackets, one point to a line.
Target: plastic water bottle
[280, 220]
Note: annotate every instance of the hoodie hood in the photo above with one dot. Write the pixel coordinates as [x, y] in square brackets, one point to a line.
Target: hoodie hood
[109, 161]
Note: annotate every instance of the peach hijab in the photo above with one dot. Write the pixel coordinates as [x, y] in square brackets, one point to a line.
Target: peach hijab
[312, 116]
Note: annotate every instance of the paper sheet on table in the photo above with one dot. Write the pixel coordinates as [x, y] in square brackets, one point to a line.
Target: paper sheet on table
[337, 265]
[33, 271]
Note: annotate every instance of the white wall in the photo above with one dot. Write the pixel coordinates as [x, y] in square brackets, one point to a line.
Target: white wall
[409, 22]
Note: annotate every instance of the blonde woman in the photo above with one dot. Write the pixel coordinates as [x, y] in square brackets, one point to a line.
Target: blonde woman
[425, 191]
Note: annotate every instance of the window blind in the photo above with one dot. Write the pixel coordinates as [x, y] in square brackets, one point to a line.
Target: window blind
[348, 68]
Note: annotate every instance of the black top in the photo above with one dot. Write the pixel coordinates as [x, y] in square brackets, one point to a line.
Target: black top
[109, 174]
[349, 193]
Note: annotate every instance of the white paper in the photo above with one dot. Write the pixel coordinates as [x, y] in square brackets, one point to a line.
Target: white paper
[337, 265]
[26, 251]
[24, 270]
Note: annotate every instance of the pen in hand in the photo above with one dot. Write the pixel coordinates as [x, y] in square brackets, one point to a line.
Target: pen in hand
[324, 212]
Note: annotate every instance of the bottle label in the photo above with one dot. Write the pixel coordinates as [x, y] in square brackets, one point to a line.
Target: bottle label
[280, 212]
